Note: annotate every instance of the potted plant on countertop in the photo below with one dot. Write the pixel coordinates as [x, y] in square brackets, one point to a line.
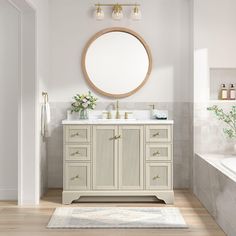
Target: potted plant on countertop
[229, 118]
[82, 103]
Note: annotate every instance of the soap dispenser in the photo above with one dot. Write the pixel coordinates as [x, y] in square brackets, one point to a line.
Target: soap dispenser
[232, 93]
[223, 92]
[153, 111]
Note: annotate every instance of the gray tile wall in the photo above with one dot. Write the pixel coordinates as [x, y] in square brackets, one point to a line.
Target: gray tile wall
[180, 112]
[217, 193]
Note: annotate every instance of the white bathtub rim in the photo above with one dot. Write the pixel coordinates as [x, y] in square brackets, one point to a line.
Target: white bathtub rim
[228, 163]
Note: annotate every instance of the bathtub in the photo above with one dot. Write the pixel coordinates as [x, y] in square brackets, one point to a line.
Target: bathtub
[230, 164]
[224, 163]
[214, 184]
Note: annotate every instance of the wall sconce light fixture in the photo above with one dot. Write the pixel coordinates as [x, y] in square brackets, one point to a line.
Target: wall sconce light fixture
[136, 13]
[99, 13]
[117, 13]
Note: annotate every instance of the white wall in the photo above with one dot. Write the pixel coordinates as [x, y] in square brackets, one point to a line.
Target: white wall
[214, 29]
[165, 26]
[43, 69]
[214, 44]
[9, 84]
[43, 43]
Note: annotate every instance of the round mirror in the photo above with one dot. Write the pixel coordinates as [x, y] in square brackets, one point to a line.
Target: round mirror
[116, 62]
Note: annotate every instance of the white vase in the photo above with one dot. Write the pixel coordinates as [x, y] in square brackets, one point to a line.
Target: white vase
[235, 148]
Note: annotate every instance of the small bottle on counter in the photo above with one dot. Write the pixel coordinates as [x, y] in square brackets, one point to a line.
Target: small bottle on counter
[223, 92]
[153, 111]
[232, 92]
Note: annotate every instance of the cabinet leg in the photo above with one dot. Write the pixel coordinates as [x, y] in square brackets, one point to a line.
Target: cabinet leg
[68, 198]
[168, 197]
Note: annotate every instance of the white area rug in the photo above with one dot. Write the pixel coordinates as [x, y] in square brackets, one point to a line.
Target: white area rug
[117, 217]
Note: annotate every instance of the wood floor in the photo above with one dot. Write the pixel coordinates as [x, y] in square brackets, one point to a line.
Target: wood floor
[32, 221]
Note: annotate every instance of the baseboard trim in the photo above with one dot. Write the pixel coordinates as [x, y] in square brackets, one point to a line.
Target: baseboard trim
[8, 194]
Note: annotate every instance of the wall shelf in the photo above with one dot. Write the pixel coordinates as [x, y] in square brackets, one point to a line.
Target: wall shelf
[223, 101]
[219, 76]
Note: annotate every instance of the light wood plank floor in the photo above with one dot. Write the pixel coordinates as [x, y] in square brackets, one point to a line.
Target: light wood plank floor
[32, 221]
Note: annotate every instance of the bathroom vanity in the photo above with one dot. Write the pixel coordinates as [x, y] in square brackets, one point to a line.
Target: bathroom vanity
[118, 158]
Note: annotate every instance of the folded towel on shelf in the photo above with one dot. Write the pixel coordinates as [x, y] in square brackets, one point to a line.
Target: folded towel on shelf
[45, 119]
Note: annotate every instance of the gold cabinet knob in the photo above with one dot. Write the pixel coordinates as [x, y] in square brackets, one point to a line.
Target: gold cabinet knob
[75, 177]
[156, 134]
[156, 177]
[75, 134]
[75, 153]
[156, 153]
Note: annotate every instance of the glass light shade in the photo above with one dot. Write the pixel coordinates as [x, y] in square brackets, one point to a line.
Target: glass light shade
[136, 13]
[99, 13]
[117, 13]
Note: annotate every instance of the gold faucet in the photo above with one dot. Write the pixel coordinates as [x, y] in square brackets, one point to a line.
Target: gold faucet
[117, 110]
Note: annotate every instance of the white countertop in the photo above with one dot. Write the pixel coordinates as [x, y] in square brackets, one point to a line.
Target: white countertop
[117, 122]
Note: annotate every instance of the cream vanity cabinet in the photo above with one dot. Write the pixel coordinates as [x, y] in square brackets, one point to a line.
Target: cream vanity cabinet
[117, 160]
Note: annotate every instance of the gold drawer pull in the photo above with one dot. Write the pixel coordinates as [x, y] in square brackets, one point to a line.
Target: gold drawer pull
[156, 177]
[75, 153]
[115, 137]
[156, 134]
[75, 177]
[156, 153]
[75, 134]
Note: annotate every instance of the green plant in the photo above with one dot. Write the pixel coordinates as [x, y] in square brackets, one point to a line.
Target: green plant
[229, 118]
[83, 102]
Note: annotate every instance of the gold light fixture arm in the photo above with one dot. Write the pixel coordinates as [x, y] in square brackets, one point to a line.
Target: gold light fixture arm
[117, 13]
[112, 5]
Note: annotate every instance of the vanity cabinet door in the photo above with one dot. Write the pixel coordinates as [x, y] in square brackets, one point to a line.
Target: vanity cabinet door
[105, 149]
[77, 176]
[158, 133]
[159, 152]
[158, 176]
[130, 157]
[77, 152]
[77, 133]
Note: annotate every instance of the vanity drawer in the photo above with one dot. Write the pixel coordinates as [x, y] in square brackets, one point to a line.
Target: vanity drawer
[158, 133]
[158, 176]
[158, 152]
[77, 176]
[77, 133]
[77, 152]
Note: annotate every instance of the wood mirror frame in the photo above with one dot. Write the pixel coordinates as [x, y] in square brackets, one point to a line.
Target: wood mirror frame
[91, 41]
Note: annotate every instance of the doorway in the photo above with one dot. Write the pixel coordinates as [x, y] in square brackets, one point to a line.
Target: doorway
[19, 155]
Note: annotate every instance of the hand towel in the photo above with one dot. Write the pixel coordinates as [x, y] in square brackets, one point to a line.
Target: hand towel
[45, 120]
